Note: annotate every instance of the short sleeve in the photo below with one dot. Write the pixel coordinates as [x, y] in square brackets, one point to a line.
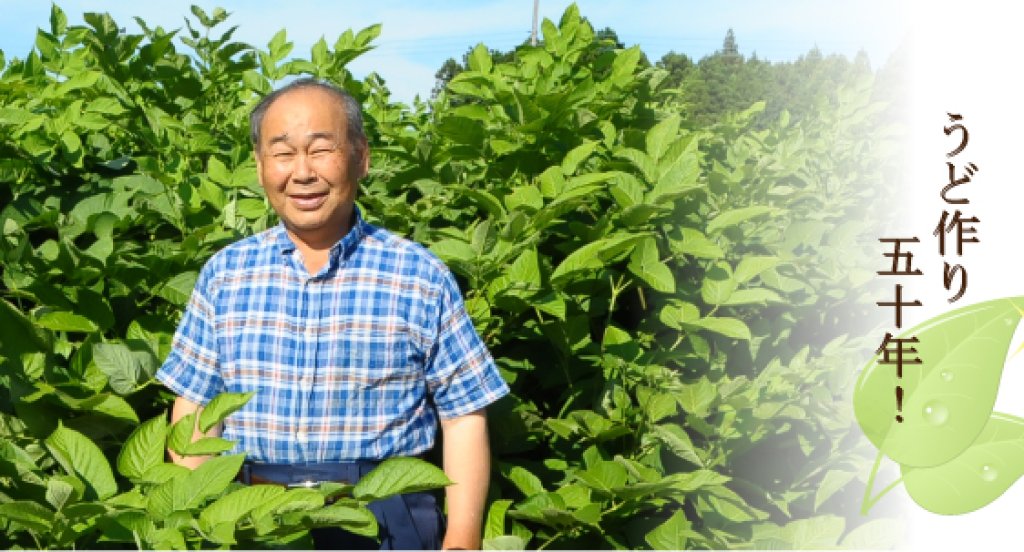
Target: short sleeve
[460, 371]
[191, 370]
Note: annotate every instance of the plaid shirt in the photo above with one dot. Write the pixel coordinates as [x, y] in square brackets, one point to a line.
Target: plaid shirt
[355, 362]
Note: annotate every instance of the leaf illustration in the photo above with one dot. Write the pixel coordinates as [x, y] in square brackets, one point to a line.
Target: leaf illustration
[948, 397]
[975, 478]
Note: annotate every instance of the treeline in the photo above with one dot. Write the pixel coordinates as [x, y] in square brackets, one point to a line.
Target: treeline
[726, 81]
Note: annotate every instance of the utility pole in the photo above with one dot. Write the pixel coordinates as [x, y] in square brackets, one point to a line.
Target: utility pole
[533, 33]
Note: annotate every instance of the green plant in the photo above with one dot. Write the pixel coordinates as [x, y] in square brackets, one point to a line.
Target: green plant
[671, 304]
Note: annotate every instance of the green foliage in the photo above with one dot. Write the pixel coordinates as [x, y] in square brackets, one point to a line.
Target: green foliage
[945, 408]
[956, 455]
[668, 300]
[725, 82]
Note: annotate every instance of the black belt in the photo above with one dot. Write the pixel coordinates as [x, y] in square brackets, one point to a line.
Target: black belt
[305, 475]
[406, 522]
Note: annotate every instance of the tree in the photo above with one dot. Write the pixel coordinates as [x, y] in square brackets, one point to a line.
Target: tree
[730, 49]
[606, 40]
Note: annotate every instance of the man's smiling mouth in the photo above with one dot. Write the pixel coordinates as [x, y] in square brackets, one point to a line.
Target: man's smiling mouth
[308, 202]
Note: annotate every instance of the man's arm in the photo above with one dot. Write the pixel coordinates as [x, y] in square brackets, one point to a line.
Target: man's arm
[467, 462]
[183, 407]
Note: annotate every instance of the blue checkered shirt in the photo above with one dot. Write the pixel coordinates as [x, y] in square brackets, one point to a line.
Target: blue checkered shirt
[355, 362]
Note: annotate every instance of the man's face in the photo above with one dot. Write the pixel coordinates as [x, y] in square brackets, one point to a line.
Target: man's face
[307, 166]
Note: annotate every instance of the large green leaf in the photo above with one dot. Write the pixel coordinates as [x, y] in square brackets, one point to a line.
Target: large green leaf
[59, 492]
[178, 289]
[758, 296]
[293, 500]
[645, 264]
[672, 534]
[948, 397]
[65, 322]
[661, 135]
[30, 514]
[604, 476]
[220, 407]
[81, 457]
[397, 476]
[753, 265]
[676, 438]
[208, 445]
[697, 397]
[19, 334]
[357, 519]
[576, 156]
[144, 448]
[718, 284]
[979, 475]
[696, 244]
[232, 506]
[528, 483]
[593, 255]
[730, 327]
[209, 479]
[453, 250]
[126, 365]
[181, 433]
[737, 216]
[495, 525]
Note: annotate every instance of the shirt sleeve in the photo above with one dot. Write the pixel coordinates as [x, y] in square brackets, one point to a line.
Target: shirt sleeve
[191, 370]
[460, 371]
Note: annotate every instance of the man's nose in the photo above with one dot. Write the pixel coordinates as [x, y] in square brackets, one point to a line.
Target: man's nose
[303, 171]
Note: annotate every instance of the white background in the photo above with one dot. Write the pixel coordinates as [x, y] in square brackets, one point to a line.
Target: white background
[966, 59]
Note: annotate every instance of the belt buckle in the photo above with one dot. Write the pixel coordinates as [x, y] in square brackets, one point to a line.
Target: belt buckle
[307, 484]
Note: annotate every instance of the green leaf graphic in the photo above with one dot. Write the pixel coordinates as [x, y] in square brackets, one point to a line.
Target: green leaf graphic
[975, 478]
[949, 396]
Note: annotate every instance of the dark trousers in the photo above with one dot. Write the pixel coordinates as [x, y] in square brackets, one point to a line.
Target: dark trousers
[407, 522]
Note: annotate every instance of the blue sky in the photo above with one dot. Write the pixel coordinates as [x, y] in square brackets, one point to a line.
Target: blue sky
[418, 36]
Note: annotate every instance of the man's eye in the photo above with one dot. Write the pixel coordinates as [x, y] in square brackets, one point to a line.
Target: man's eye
[320, 152]
[283, 154]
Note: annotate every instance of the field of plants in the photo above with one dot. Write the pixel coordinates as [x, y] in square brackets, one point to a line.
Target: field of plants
[680, 309]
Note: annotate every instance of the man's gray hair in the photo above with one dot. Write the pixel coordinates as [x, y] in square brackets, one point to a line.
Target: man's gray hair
[353, 111]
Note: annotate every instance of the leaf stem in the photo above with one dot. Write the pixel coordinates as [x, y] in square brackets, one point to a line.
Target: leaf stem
[867, 503]
[553, 538]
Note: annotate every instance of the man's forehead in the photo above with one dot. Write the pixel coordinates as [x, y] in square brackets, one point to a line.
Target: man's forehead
[303, 114]
[288, 138]
[294, 99]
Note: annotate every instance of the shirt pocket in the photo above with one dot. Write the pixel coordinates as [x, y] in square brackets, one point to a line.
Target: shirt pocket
[383, 363]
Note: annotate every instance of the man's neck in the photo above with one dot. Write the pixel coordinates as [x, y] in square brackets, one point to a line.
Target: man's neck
[316, 246]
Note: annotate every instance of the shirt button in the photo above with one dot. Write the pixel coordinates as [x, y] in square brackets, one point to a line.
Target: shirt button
[307, 382]
[301, 436]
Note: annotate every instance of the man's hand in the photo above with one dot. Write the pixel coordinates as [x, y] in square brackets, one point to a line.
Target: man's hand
[183, 407]
[467, 462]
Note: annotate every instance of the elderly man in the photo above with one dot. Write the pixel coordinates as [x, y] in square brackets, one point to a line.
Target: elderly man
[355, 341]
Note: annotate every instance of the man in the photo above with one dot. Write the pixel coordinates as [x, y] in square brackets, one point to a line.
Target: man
[355, 341]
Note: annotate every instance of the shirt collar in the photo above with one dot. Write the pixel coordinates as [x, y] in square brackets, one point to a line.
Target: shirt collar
[278, 237]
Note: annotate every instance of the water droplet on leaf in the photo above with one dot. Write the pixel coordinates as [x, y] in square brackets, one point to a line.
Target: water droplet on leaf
[947, 375]
[936, 413]
[988, 473]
